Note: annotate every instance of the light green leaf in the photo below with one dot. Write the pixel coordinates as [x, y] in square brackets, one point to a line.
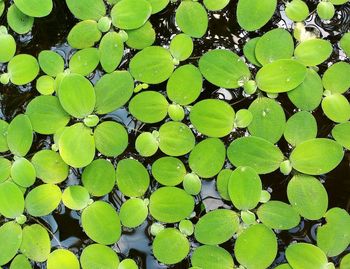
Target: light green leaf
[22, 69]
[157, 6]
[325, 10]
[336, 107]
[313, 52]
[99, 256]
[335, 79]
[45, 85]
[341, 134]
[11, 200]
[18, 21]
[11, 233]
[142, 37]
[5, 169]
[20, 135]
[181, 47]
[297, 10]
[133, 212]
[249, 51]
[20, 262]
[222, 180]
[146, 144]
[304, 255]
[8, 47]
[215, 5]
[87, 9]
[84, 61]
[75, 197]
[51, 62]
[168, 171]
[84, 34]
[211, 257]
[35, 8]
[111, 51]
[345, 43]
[62, 258]
[23, 172]
[345, 262]
[3, 136]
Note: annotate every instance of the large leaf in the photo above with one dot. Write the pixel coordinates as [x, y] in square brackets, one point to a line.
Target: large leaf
[168, 171]
[336, 107]
[34, 8]
[23, 68]
[212, 257]
[20, 135]
[111, 51]
[336, 78]
[313, 51]
[11, 233]
[18, 21]
[304, 255]
[341, 134]
[11, 200]
[87, 9]
[99, 256]
[84, 61]
[133, 212]
[84, 34]
[62, 258]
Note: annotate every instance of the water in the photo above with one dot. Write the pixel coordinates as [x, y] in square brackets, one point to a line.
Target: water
[224, 32]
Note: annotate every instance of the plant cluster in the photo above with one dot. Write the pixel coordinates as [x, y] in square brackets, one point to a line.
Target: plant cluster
[69, 109]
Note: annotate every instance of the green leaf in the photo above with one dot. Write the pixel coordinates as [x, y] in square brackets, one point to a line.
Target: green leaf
[111, 51]
[157, 6]
[335, 79]
[128, 264]
[249, 51]
[101, 214]
[11, 200]
[307, 196]
[45, 85]
[170, 204]
[142, 37]
[23, 68]
[274, 45]
[84, 61]
[341, 134]
[207, 157]
[87, 9]
[168, 171]
[62, 258]
[297, 10]
[184, 85]
[256, 247]
[35, 8]
[133, 212]
[216, 227]
[345, 43]
[75, 197]
[23, 172]
[3, 136]
[300, 127]
[211, 257]
[49, 166]
[36, 243]
[223, 68]
[18, 21]
[186, 227]
[42, 200]
[149, 107]
[243, 118]
[336, 107]
[212, 117]
[222, 180]
[46, 114]
[254, 14]
[192, 184]
[313, 52]
[215, 5]
[170, 246]
[256, 152]
[73, 153]
[84, 34]
[99, 256]
[20, 135]
[99, 177]
[152, 65]
[20, 262]
[280, 76]
[325, 10]
[132, 178]
[316, 156]
[185, 13]
[304, 255]
[334, 236]
[176, 139]
[146, 144]
[5, 169]
[269, 120]
[11, 233]
[8, 45]
[181, 47]
[345, 262]
[51, 62]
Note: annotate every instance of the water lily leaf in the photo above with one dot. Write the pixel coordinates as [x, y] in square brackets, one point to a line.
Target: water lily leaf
[216, 227]
[308, 95]
[335, 79]
[269, 120]
[278, 215]
[185, 14]
[62, 258]
[132, 178]
[87, 9]
[51, 62]
[152, 65]
[256, 247]
[181, 47]
[77, 95]
[111, 51]
[244, 188]
[11, 200]
[304, 255]
[36, 243]
[341, 133]
[316, 156]
[131, 14]
[280, 76]
[274, 45]
[20, 135]
[11, 233]
[111, 138]
[297, 10]
[75, 197]
[336, 107]
[215, 5]
[223, 68]
[99, 256]
[300, 127]
[207, 157]
[84, 61]
[184, 85]
[259, 11]
[157, 6]
[212, 117]
[345, 262]
[35, 8]
[170, 246]
[149, 106]
[99, 177]
[146, 144]
[84, 34]
[168, 171]
[222, 180]
[334, 236]
[211, 257]
[101, 214]
[77, 146]
[255, 152]
[23, 172]
[313, 51]
[142, 37]
[46, 114]
[23, 68]
[18, 21]
[176, 139]
[344, 43]
[3, 136]
[170, 204]
[8, 47]
[20, 262]
[5, 169]
[249, 51]
[133, 212]
[42, 200]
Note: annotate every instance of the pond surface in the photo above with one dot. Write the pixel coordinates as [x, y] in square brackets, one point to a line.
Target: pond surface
[224, 32]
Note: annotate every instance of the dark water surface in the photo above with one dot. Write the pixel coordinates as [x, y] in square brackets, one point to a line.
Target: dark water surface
[224, 32]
